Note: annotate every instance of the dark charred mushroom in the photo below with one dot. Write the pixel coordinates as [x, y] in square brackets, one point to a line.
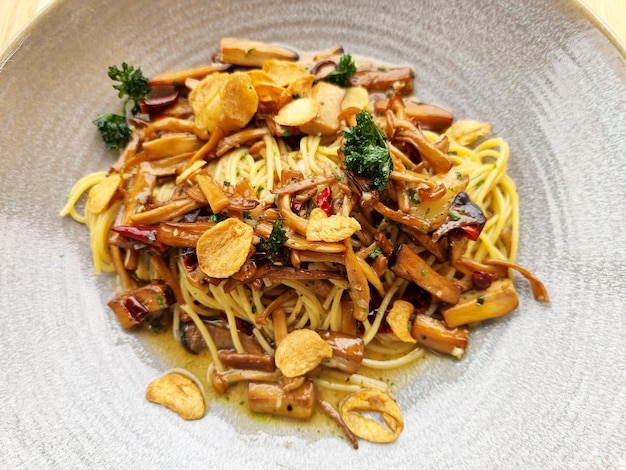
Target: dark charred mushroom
[193, 342]
[463, 214]
[135, 306]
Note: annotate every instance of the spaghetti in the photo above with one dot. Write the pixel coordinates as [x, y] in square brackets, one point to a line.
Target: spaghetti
[294, 240]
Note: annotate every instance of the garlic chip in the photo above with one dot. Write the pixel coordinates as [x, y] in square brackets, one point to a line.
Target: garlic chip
[180, 392]
[367, 401]
[224, 248]
[100, 195]
[300, 352]
[330, 229]
[467, 131]
[398, 319]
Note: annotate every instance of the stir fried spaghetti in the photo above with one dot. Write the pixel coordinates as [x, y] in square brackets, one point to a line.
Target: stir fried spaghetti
[299, 222]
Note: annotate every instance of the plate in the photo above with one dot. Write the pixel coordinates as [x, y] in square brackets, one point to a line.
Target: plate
[544, 386]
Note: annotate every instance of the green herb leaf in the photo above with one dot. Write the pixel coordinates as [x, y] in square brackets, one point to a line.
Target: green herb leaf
[276, 240]
[345, 69]
[411, 192]
[114, 130]
[132, 83]
[366, 151]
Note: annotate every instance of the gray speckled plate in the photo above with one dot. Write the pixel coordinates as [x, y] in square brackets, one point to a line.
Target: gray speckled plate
[542, 387]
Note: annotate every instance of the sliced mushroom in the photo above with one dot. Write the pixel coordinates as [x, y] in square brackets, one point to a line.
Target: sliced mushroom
[348, 351]
[436, 335]
[498, 300]
[178, 77]
[270, 398]
[222, 380]
[251, 53]
[407, 264]
[135, 306]
[427, 116]
[398, 79]
[192, 341]
[463, 214]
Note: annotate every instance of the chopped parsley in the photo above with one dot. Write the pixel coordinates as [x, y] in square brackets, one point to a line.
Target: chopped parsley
[366, 151]
[276, 240]
[375, 252]
[411, 192]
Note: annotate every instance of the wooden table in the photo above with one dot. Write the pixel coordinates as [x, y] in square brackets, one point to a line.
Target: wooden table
[14, 14]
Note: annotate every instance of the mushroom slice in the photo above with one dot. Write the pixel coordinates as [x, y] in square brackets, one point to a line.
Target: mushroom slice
[435, 334]
[326, 122]
[271, 398]
[297, 112]
[100, 195]
[181, 392]
[223, 249]
[367, 401]
[330, 229]
[348, 351]
[300, 352]
[398, 79]
[178, 77]
[222, 380]
[251, 53]
[398, 319]
[133, 307]
[496, 301]
[407, 264]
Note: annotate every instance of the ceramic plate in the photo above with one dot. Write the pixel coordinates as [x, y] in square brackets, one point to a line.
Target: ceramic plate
[541, 387]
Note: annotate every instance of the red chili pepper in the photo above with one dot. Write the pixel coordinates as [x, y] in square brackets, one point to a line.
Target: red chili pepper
[482, 280]
[323, 200]
[472, 231]
[296, 206]
[144, 233]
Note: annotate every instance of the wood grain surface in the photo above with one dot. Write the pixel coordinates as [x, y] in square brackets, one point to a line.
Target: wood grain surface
[15, 14]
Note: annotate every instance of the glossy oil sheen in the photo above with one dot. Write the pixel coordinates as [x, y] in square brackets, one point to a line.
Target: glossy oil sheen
[543, 387]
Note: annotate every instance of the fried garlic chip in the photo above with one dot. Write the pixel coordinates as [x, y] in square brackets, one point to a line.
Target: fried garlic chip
[224, 248]
[398, 319]
[367, 401]
[100, 195]
[180, 393]
[227, 100]
[300, 352]
[330, 229]
[468, 131]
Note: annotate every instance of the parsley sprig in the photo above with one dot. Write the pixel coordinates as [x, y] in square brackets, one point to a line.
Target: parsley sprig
[133, 85]
[345, 69]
